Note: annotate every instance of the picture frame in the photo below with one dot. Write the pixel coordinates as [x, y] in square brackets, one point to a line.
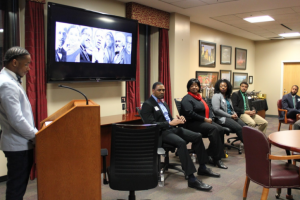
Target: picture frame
[225, 74]
[239, 77]
[207, 79]
[240, 58]
[250, 80]
[207, 54]
[225, 54]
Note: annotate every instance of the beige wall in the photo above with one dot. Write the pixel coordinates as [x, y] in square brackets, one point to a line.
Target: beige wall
[199, 32]
[268, 63]
[179, 48]
[106, 94]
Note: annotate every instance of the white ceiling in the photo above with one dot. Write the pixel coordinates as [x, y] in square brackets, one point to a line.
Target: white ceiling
[227, 15]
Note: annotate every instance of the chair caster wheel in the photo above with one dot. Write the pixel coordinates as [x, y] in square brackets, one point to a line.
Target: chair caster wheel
[240, 152]
[277, 196]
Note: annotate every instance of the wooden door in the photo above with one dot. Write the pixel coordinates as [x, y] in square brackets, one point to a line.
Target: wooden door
[291, 77]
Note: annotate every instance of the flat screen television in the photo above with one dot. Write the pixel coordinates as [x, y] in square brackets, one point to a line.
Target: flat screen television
[85, 45]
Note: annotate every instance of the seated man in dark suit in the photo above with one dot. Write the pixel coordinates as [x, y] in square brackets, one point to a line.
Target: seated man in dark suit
[156, 111]
[241, 105]
[291, 103]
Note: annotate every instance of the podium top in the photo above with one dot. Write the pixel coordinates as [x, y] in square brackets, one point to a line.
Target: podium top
[69, 106]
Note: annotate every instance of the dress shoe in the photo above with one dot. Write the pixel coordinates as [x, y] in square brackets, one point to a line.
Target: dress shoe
[207, 172]
[199, 185]
[220, 164]
[217, 163]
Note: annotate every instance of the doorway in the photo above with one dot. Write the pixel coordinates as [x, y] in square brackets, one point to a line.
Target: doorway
[291, 72]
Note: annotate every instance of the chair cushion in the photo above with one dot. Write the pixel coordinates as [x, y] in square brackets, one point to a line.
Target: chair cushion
[289, 121]
[284, 174]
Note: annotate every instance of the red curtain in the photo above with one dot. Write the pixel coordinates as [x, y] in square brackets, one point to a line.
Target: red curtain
[35, 44]
[164, 65]
[133, 87]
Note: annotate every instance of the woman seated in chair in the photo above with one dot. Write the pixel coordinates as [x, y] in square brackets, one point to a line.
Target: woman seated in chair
[223, 109]
[199, 119]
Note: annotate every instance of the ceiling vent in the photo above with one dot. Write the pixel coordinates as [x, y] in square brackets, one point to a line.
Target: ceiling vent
[276, 38]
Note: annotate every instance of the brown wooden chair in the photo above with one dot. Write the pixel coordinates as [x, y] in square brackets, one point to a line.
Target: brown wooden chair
[285, 120]
[261, 170]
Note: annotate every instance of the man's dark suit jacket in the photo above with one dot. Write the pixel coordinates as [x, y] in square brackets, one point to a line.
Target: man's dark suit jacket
[63, 57]
[238, 103]
[151, 116]
[287, 102]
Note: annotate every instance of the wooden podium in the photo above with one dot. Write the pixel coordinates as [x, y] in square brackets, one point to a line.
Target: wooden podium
[68, 153]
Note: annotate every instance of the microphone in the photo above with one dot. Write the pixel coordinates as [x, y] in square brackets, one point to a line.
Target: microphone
[63, 86]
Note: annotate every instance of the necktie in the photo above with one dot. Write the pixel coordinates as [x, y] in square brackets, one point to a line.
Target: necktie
[19, 79]
[160, 100]
[294, 101]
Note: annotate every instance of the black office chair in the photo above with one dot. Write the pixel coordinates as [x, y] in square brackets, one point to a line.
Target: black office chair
[164, 166]
[178, 106]
[133, 159]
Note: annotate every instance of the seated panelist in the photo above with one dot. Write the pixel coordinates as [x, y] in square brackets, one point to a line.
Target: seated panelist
[291, 103]
[242, 107]
[199, 119]
[223, 109]
[156, 111]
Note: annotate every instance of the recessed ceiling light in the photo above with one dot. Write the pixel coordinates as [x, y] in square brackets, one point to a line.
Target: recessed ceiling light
[1, 30]
[289, 34]
[265, 18]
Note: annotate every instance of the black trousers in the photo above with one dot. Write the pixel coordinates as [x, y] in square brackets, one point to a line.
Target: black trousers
[179, 137]
[19, 164]
[236, 126]
[292, 113]
[215, 133]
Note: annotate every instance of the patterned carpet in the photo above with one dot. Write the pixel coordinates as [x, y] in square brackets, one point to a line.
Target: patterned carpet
[228, 187]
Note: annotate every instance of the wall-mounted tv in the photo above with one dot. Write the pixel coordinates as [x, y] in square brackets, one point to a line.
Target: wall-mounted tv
[85, 45]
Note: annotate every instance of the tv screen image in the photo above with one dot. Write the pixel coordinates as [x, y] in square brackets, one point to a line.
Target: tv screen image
[77, 43]
[85, 45]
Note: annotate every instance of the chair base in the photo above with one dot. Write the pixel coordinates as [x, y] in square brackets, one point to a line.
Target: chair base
[131, 195]
[230, 146]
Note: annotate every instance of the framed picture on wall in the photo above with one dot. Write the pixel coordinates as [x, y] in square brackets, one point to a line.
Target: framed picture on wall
[250, 79]
[225, 74]
[207, 54]
[208, 79]
[240, 58]
[238, 78]
[225, 54]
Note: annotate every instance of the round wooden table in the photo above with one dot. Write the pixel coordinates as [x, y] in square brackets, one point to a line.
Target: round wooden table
[288, 140]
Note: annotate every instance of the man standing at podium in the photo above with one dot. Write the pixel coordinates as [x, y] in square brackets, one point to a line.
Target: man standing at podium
[16, 120]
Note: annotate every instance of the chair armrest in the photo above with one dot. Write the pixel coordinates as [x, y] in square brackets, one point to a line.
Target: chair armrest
[285, 114]
[161, 151]
[293, 157]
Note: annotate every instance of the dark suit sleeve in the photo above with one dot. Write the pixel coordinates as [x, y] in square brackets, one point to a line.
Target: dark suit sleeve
[187, 111]
[147, 113]
[235, 103]
[285, 103]
[297, 102]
